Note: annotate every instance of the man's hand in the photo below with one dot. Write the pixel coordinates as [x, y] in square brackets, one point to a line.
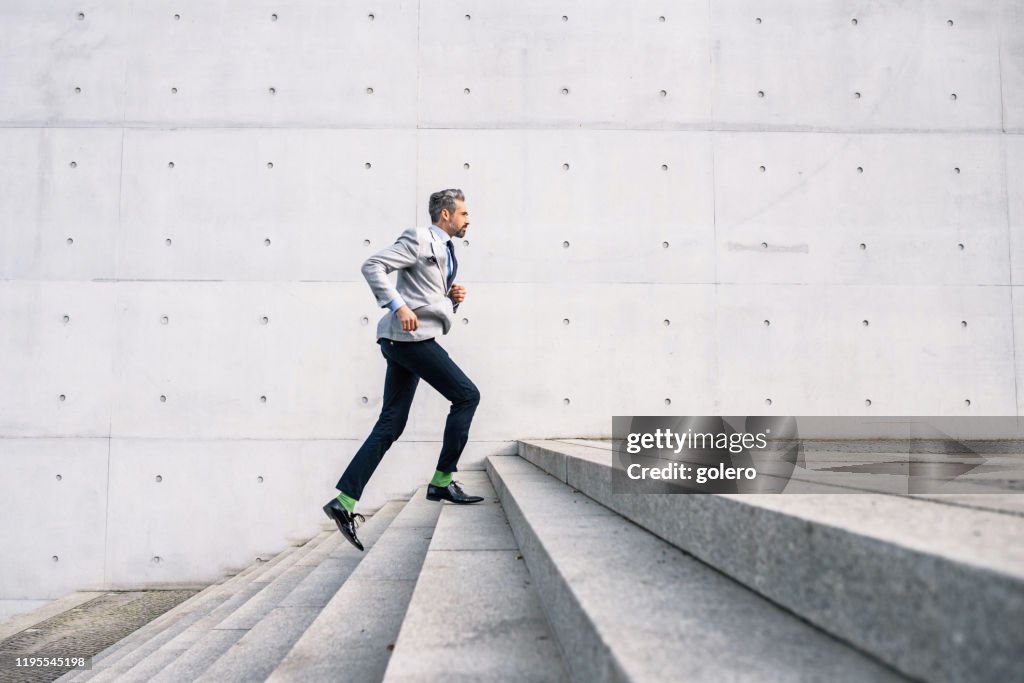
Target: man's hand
[457, 293]
[408, 319]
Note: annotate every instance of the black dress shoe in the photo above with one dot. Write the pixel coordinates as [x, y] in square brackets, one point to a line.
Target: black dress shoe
[451, 492]
[345, 520]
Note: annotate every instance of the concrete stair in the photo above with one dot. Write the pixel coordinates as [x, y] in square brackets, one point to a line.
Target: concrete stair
[554, 578]
[933, 586]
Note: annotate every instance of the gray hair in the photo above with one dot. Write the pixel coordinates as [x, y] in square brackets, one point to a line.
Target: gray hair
[444, 199]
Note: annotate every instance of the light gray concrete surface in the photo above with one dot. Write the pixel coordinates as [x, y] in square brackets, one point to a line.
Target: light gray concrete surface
[214, 641]
[660, 117]
[131, 651]
[354, 634]
[474, 615]
[258, 652]
[936, 590]
[198, 645]
[201, 600]
[627, 606]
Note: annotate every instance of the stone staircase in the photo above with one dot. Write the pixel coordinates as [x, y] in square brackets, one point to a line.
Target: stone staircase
[554, 578]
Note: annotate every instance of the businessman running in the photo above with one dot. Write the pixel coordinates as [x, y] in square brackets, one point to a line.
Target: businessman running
[423, 305]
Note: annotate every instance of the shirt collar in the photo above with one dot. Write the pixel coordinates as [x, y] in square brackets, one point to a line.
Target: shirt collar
[440, 233]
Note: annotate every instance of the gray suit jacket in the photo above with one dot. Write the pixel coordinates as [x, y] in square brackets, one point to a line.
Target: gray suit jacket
[421, 259]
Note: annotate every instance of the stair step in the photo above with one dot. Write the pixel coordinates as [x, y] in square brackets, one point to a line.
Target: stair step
[255, 656]
[228, 594]
[474, 611]
[627, 606]
[218, 639]
[199, 642]
[352, 637]
[935, 590]
[111, 654]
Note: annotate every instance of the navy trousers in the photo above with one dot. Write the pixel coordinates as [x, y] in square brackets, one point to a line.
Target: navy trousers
[407, 363]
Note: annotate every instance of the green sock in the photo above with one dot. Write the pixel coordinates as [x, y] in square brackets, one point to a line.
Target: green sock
[441, 479]
[346, 501]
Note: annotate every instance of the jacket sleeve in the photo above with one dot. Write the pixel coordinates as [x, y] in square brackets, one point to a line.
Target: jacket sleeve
[402, 254]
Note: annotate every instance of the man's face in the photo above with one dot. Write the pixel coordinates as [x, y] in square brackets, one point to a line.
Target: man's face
[458, 222]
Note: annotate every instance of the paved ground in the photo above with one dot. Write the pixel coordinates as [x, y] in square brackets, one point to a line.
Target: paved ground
[84, 631]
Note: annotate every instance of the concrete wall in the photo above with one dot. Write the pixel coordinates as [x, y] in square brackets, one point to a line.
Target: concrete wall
[188, 350]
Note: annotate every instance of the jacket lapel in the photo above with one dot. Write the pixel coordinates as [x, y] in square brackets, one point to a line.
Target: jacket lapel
[437, 260]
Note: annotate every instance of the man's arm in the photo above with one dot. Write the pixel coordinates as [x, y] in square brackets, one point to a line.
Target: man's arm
[375, 269]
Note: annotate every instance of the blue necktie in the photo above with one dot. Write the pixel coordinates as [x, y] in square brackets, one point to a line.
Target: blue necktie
[453, 262]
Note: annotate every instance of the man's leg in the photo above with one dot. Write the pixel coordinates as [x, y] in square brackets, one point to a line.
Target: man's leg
[399, 389]
[431, 362]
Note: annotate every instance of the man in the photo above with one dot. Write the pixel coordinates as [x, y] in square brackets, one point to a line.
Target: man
[422, 305]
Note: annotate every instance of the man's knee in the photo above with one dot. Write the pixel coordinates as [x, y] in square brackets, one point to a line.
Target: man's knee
[392, 424]
[471, 396]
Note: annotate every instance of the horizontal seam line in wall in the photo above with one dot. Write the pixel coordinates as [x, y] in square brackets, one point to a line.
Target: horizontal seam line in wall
[754, 128]
[567, 282]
